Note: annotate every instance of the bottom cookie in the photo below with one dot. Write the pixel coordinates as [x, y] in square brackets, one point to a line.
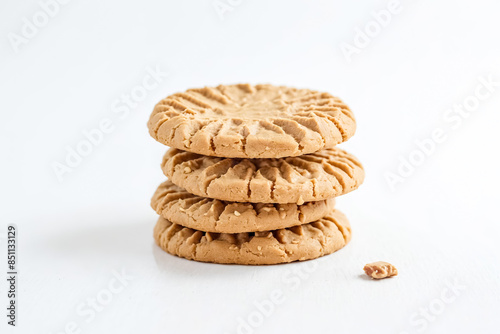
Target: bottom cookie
[298, 243]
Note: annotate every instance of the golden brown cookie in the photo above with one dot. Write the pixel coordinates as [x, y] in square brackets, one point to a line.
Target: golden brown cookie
[212, 215]
[312, 177]
[299, 243]
[245, 121]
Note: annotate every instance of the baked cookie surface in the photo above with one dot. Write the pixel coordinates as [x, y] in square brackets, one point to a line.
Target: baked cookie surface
[299, 243]
[211, 215]
[246, 121]
[312, 177]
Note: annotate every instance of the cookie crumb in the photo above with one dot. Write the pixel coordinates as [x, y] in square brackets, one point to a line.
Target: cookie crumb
[380, 269]
[187, 170]
[236, 213]
[259, 247]
[300, 201]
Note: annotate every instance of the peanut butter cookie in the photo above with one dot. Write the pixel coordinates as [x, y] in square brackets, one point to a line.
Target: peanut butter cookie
[212, 215]
[311, 177]
[299, 243]
[246, 121]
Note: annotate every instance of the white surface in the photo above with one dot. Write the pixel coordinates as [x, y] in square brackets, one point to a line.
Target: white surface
[439, 226]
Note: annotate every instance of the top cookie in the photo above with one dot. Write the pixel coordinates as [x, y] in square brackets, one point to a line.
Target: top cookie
[245, 121]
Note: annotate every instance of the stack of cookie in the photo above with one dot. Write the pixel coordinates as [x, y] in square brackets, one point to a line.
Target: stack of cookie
[253, 173]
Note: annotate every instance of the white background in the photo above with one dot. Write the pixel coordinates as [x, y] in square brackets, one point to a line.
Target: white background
[439, 226]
